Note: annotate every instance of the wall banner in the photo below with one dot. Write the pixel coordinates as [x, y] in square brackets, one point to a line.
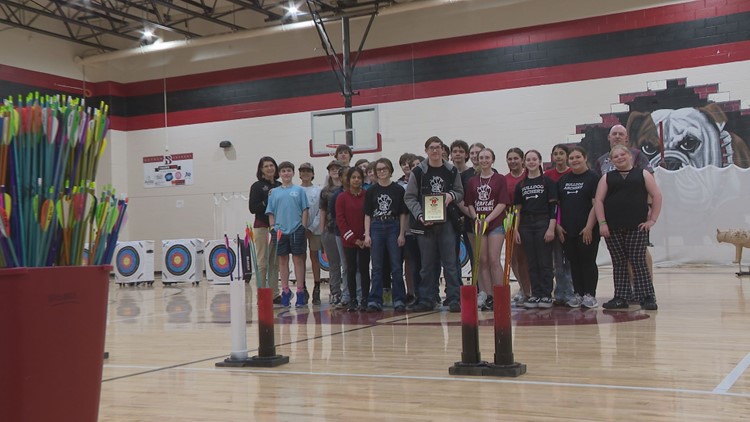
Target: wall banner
[168, 170]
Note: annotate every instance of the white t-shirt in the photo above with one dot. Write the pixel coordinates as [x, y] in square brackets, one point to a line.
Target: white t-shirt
[313, 201]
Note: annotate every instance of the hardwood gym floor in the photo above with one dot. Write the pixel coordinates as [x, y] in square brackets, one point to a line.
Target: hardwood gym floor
[686, 361]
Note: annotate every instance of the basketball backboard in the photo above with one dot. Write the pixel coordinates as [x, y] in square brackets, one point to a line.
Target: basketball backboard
[357, 127]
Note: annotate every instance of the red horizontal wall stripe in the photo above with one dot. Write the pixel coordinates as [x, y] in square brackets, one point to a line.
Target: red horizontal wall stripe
[695, 57]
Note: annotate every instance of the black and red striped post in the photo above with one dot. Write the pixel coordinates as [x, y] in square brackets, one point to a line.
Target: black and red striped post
[267, 356]
[470, 363]
[504, 365]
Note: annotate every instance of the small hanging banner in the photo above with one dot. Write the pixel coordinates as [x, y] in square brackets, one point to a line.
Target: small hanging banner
[168, 170]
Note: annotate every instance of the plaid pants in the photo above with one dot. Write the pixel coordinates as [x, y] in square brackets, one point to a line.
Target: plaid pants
[629, 246]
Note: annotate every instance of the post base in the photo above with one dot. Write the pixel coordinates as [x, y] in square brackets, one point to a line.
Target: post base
[255, 361]
[486, 369]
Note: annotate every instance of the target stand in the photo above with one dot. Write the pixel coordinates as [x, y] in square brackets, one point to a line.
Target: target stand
[183, 261]
[134, 263]
[221, 262]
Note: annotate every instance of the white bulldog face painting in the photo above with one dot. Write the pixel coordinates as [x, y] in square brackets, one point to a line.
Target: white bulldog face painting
[692, 137]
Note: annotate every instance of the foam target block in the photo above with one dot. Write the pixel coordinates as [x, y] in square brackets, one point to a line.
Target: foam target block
[183, 261]
[134, 262]
[221, 262]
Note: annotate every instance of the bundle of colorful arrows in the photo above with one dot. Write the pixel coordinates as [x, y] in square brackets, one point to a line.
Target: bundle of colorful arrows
[49, 152]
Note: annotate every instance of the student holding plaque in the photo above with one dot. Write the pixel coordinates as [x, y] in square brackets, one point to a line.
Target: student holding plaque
[432, 187]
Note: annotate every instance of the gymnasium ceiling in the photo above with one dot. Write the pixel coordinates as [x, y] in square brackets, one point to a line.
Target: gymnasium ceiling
[112, 25]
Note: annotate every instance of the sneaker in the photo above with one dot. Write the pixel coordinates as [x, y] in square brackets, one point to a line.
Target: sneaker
[335, 299]
[531, 303]
[286, 298]
[589, 301]
[410, 299]
[277, 300]
[301, 303]
[546, 302]
[454, 307]
[362, 306]
[649, 304]
[616, 303]
[519, 297]
[371, 308]
[399, 308]
[574, 302]
[352, 306]
[489, 304]
[421, 307]
[316, 294]
[481, 298]
[306, 296]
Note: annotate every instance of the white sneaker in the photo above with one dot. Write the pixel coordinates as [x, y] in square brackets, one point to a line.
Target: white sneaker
[574, 302]
[589, 301]
[519, 297]
[481, 298]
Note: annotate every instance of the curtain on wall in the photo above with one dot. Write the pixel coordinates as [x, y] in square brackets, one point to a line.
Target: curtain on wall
[697, 201]
[231, 215]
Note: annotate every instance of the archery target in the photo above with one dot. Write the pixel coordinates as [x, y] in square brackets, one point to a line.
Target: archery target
[221, 263]
[127, 261]
[323, 259]
[134, 262]
[181, 261]
[463, 258]
[178, 260]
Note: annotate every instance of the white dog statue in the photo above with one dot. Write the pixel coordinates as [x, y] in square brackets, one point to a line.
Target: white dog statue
[740, 239]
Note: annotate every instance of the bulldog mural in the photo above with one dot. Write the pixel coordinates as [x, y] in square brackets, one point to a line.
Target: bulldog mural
[697, 131]
[692, 137]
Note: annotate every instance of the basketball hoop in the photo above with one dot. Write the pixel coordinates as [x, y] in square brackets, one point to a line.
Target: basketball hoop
[333, 147]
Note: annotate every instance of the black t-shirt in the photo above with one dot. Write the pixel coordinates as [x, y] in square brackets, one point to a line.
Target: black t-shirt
[534, 195]
[466, 175]
[385, 201]
[626, 203]
[576, 192]
[435, 180]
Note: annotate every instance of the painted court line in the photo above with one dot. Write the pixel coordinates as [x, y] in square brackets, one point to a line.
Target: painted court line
[733, 376]
[457, 379]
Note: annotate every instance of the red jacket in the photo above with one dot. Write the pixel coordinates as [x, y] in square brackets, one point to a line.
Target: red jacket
[350, 217]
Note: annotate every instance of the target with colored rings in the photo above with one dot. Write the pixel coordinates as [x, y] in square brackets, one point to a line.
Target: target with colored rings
[222, 263]
[463, 256]
[323, 259]
[127, 261]
[178, 260]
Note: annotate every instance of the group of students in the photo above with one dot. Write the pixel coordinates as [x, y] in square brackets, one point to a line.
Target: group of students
[361, 216]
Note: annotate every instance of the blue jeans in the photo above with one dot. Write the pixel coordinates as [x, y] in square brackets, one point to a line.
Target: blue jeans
[384, 236]
[411, 252]
[538, 254]
[563, 279]
[438, 248]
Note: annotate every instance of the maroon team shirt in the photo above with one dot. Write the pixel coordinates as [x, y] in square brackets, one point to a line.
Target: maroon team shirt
[512, 181]
[484, 194]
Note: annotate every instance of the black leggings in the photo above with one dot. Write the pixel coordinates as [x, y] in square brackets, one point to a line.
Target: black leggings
[358, 260]
[582, 258]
